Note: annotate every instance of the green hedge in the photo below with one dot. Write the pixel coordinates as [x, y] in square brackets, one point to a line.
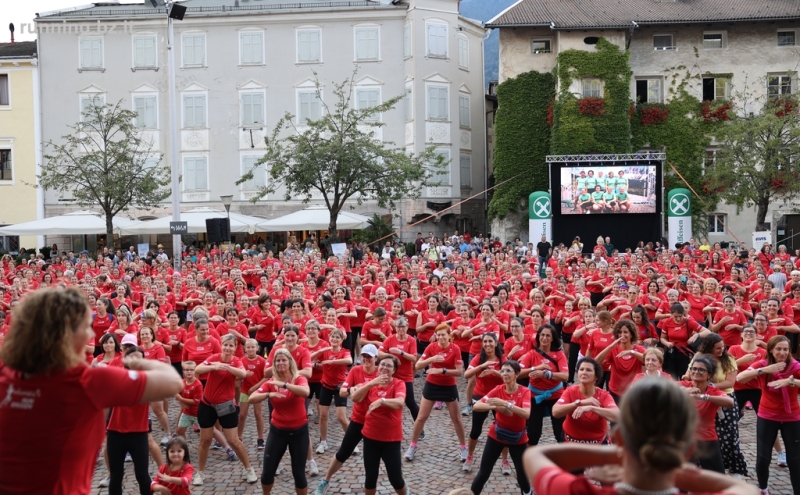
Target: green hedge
[523, 140]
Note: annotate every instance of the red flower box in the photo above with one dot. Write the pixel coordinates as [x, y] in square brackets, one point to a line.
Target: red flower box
[591, 106]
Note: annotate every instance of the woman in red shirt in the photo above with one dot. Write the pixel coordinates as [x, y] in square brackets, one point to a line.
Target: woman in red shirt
[511, 405]
[658, 448]
[585, 407]
[404, 346]
[383, 425]
[445, 364]
[332, 360]
[729, 321]
[201, 345]
[101, 321]
[288, 424]
[262, 322]
[112, 355]
[708, 400]
[677, 332]
[545, 366]
[624, 356]
[218, 404]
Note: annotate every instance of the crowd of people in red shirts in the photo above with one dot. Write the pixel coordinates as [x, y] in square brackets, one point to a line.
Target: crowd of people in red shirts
[564, 339]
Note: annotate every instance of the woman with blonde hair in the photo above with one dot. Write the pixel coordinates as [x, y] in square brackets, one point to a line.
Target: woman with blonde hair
[45, 370]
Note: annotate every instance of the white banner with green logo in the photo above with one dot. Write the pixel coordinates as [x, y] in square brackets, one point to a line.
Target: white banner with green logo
[679, 216]
[540, 217]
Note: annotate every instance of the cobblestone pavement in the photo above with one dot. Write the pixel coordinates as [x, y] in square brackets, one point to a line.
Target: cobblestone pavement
[436, 470]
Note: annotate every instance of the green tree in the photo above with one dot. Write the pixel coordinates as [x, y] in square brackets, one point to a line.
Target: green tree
[757, 161]
[377, 228]
[107, 162]
[338, 157]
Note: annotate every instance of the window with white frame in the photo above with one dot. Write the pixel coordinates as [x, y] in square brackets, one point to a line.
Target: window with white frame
[259, 178]
[6, 168]
[441, 175]
[465, 170]
[195, 173]
[194, 50]
[144, 51]
[309, 105]
[463, 52]
[89, 100]
[592, 87]
[438, 104]
[408, 103]
[649, 91]
[541, 46]
[308, 45]
[787, 37]
[368, 98]
[146, 108]
[463, 110]
[407, 42]
[436, 39]
[709, 158]
[367, 43]
[91, 53]
[151, 162]
[251, 47]
[252, 108]
[194, 110]
[715, 88]
[713, 40]
[779, 85]
[662, 42]
[716, 223]
[4, 93]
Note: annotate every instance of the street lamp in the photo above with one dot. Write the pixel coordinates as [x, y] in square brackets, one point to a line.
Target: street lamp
[226, 202]
[174, 11]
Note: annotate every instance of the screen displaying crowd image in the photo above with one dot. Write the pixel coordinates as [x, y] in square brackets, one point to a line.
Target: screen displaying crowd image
[608, 190]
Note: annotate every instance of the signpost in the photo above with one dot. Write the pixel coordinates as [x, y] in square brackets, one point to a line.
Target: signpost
[540, 217]
[679, 214]
[178, 228]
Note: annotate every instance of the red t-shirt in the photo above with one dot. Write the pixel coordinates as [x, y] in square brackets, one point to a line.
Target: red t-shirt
[427, 334]
[101, 325]
[79, 395]
[528, 343]
[349, 308]
[706, 412]
[520, 398]
[737, 352]
[598, 341]
[491, 327]
[623, 369]
[590, 426]
[300, 355]
[384, 423]
[421, 306]
[357, 376]
[130, 419]
[185, 473]
[193, 392]
[533, 358]
[288, 410]
[483, 385]
[257, 367]
[156, 353]
[220, 385]
[676, 333]
[452, 358]
[266, 334]
[406, 370]
[173, 338]
[773, 403]
[316, 371]
[555, 481]
[372, 332]
[333, 374]
[197, 352]
[731, 336]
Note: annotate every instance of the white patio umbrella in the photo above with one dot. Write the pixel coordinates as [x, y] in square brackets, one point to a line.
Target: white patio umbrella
[75, 223]
[196, 222]
[313, 218]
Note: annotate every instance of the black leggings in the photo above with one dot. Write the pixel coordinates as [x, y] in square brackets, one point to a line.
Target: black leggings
[766, 433]
[264, 348]
[352, 435]
[136, 444]
[491, 452]
[278, 440]
[389, 452]
[574, 349]
[536, 422]
[751, 395]
[411, 404]
[478, 418]
[709, 456]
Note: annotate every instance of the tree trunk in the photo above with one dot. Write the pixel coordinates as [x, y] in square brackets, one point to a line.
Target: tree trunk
[333, 232]
[110, 231]
[761, 214]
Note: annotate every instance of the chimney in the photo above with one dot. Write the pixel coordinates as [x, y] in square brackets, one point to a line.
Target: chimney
[11, 28]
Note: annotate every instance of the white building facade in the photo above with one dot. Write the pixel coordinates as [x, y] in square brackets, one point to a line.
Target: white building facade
[241, 68]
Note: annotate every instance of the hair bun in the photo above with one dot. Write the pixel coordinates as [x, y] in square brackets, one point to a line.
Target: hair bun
[662, 455]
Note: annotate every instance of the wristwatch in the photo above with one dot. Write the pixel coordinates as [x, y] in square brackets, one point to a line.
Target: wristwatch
[760, 371]
[577, 402]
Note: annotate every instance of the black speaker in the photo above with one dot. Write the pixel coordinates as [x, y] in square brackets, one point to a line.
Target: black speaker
[224, 229]
[213, 230]
[177, 11]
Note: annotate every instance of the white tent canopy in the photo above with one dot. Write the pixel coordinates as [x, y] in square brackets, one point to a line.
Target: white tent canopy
[313, 218]
[75, 223]
[196, 222]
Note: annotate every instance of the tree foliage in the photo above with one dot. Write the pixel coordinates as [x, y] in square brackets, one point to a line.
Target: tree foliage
[758, 157]
[377, 228]
[338, 158]
[107, 162]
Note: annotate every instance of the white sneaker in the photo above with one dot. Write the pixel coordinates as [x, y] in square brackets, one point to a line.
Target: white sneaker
[105, 481]
[505, 468]
[322, 447]
[411, 452]
[128, 457]
[312, 467]
[782, 459]
[251, 475]
[280, 469]
[165, 440]
[199, 478]
[464, 453]
[356, 451]
[467, 466]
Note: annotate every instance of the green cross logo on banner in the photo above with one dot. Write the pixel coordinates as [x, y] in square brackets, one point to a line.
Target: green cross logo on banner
[541, 207]
[679, 205]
